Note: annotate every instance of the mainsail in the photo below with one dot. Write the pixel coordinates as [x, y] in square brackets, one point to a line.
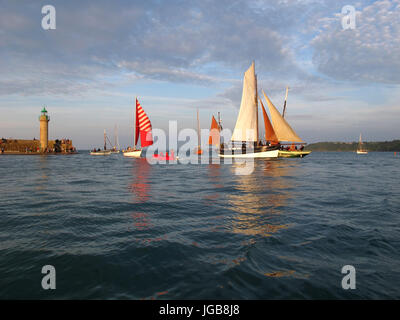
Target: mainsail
[214, 138]
[269, 130]
[143, 126]
[246, 128]
[283, 130]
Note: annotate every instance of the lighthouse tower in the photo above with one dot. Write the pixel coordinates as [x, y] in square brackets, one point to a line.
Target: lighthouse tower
[44, 129]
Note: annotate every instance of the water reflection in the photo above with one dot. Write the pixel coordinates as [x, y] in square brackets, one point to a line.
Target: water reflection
[42, 182]
[140, 188]
[214, 176]
[258, 203]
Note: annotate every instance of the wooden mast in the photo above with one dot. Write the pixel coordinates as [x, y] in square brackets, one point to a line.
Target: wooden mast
[284, 104]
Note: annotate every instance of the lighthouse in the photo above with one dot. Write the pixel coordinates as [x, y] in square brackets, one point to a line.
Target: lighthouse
[44, 130]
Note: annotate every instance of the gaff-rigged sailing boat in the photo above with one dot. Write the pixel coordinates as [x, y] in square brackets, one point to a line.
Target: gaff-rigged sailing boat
[360, 149]
[246, 128]
[143, 127]
[284, 133]
[99, 152]
[214, 138]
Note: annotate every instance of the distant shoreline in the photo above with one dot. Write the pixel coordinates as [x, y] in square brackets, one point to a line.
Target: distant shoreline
[376, 146]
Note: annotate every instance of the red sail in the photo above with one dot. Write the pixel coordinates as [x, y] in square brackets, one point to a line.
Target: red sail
[143, 126]
[269, 130]
[214, 138]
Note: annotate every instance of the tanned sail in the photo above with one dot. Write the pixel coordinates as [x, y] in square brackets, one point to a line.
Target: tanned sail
[143, 127]
[246, 128]
[214, 138]
[269, 130]
[283, 130]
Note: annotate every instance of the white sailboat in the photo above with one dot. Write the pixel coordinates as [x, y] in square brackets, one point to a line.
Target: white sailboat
[360, 149]
[104, 152]
[246, 129]
[142, 127]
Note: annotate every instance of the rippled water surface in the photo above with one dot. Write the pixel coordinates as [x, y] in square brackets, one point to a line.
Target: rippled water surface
[117, 228]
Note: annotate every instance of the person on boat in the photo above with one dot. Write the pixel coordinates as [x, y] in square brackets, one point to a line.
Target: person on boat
[302, 148]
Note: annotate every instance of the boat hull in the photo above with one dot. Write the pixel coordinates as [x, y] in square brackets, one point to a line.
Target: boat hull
[133, 154]
[261, 154]
[293, 154]
[362, 152]
[100, 153]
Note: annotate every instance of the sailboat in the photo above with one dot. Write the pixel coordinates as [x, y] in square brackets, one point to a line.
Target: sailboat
[214, 137]
[99, 152]
[142, 127]
[360, 149]
[115, 148]
[198, 150]
[284, 133]
[246, 129]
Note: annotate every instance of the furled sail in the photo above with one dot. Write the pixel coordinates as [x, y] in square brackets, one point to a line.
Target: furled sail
[246, 128]
[269, 130]
[283, 130]
[214, 138]
[143, 127]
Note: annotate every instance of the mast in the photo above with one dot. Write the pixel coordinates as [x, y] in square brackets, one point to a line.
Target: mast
[284, 104]
[116, 143]
[198, 129]
[256, 101]
[105, 142]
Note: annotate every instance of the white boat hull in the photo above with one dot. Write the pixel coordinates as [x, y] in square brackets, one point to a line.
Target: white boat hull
[100, 153]
[362, 152]
[263, 154]
[133, 154]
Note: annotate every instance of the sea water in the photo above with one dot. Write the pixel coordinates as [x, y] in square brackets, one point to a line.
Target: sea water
[119, 228]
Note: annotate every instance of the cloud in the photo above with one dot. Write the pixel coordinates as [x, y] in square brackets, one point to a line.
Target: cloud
[367, 53]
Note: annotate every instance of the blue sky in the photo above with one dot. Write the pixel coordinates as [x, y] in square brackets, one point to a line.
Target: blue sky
[177, 56]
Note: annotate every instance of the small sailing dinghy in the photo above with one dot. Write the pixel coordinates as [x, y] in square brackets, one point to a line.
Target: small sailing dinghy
[142, 127]
[168, 156]
[284, 134]
[360, 149]
[245, 140]
[99, 152]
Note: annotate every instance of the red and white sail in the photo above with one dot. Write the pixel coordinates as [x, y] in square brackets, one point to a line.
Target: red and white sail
[143, 127]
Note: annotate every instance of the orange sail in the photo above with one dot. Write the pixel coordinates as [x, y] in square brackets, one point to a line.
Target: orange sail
[214, 138]
[269, 130]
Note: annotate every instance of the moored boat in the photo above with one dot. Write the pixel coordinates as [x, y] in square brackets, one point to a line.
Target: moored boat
[99, 152]
[360, 149]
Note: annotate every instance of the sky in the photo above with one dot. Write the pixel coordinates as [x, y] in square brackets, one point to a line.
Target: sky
[179, 55]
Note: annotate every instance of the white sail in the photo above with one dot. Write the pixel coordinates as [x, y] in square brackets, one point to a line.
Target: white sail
[246, 128]
[283, 130]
